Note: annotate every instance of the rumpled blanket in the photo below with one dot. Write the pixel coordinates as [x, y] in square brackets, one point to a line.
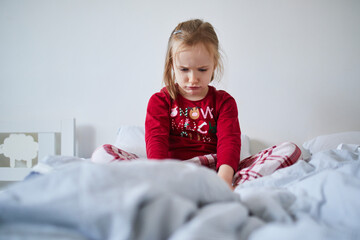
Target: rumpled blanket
[122, 200]
[314, 199]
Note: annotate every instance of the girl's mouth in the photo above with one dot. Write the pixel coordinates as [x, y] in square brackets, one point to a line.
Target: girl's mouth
[193, 88]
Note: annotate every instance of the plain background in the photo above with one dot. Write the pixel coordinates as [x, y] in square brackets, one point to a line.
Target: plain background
[293, 66]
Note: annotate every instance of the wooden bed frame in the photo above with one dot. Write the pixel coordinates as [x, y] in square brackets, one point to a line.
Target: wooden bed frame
[47, 132]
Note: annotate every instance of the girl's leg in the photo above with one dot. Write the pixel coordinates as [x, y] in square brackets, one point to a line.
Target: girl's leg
[266, 162]
[108, 153]
[205, 160]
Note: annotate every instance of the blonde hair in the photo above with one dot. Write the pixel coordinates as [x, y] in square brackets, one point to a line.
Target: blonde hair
[188, 34]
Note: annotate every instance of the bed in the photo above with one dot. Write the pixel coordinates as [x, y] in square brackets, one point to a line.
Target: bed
[66, 197]
[30, 141]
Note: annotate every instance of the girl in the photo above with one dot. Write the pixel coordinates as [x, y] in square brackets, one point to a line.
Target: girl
[191, 120]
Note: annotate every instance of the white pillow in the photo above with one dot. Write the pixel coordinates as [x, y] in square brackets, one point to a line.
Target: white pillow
[245, 147]
[131, 138]
[331, 141]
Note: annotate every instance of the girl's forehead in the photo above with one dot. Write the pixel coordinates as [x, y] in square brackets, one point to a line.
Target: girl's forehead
[197, 54]
[199, 47]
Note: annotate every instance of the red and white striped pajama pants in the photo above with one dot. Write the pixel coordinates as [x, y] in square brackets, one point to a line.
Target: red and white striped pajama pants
[262, 164]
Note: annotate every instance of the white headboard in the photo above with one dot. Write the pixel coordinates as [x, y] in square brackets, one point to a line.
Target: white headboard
[20, 146]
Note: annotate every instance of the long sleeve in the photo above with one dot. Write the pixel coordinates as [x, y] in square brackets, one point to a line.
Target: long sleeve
[228, 133]
[157, 126]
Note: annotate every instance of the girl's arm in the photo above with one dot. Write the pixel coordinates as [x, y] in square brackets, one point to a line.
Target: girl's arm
[226, 173]
[157, 127]
[229, 141]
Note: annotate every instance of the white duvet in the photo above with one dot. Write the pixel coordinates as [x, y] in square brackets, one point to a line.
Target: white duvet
[319, 199]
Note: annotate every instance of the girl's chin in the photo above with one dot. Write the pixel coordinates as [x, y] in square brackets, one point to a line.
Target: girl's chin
[194, 95]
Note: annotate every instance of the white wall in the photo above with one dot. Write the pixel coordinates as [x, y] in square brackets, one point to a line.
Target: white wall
[293, 66]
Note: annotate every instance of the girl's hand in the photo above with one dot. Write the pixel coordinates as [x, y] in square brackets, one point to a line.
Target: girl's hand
[226, 173]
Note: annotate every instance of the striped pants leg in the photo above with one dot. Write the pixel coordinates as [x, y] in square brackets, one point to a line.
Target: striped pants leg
[262, 164]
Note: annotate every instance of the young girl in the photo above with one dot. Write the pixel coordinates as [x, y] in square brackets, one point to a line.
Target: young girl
[191, 120]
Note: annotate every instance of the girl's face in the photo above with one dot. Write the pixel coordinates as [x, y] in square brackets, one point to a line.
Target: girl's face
[193, 67]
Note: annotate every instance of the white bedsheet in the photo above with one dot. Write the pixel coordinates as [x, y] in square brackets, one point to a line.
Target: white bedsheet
[319, 199]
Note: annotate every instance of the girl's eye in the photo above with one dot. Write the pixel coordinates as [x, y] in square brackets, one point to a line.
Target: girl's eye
[202, 69]
[184, 69]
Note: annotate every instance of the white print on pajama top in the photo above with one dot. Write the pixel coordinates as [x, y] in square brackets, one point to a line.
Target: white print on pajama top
[193, 122]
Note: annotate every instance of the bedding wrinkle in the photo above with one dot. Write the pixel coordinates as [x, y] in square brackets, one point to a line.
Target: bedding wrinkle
[120, 200]
[323, 199]
[316, 200]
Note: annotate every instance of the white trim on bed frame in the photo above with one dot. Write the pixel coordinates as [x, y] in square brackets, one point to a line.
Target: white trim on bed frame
[46, 131]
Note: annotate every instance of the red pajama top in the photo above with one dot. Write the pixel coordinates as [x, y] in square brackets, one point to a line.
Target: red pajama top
[183, 129]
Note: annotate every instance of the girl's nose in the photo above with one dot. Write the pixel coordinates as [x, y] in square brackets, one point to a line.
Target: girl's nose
[192, 77]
